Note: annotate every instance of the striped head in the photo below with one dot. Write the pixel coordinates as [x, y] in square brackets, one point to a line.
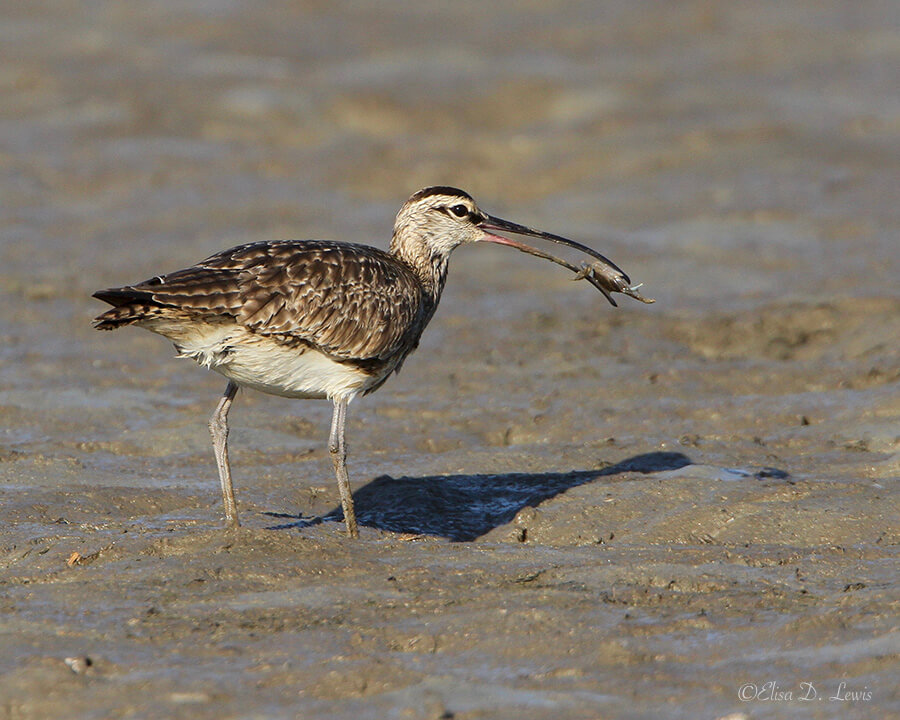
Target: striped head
[434, 221]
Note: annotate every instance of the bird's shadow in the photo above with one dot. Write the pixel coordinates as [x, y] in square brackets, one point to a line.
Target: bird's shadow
[464, 507]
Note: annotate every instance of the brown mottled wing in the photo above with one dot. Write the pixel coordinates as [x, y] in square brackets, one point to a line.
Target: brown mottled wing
[351, 301]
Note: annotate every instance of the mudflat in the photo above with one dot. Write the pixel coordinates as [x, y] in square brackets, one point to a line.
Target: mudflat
[567, 510]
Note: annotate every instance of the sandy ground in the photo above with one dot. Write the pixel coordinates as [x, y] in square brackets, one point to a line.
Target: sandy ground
[685, 510]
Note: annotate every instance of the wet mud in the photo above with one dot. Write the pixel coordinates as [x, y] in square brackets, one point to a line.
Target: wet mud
[567, 510]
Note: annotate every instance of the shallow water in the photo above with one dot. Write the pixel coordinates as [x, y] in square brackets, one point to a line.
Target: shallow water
[568, 509]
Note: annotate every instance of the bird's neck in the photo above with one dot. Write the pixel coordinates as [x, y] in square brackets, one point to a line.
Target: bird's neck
[430, 266]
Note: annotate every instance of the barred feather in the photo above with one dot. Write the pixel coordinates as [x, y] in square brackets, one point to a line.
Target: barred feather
[349, 301]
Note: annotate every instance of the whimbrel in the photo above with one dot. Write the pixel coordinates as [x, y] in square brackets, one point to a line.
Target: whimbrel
[316, 319]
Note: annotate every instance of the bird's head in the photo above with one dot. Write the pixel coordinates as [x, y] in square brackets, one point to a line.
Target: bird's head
[437, 220]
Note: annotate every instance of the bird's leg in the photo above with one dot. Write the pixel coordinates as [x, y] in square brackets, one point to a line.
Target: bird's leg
[218, 428]
[339, 460]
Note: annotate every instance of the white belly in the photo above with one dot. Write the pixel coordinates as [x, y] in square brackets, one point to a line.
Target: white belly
[260, 363]
[295, 373]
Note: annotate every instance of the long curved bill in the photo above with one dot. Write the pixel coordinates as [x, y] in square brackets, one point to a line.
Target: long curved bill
[603, 273]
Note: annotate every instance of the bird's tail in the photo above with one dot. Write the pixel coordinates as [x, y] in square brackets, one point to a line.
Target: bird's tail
[129, 306]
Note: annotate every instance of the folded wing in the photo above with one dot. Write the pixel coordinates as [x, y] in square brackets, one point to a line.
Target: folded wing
[349, 301]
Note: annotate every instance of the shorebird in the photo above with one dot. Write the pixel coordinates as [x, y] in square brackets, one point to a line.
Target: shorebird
[317, 319]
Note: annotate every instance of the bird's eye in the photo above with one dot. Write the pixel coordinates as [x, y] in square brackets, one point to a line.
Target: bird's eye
[460, 211]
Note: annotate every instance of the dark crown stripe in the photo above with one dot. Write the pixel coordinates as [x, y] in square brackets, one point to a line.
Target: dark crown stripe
[441, 190]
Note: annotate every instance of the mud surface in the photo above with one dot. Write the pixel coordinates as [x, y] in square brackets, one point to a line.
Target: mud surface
[569, 510]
